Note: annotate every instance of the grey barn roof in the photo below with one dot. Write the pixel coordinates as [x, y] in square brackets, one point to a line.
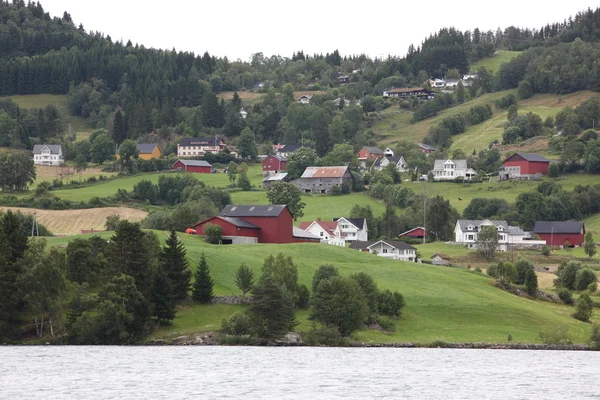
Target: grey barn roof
[146, 148]
[302, 234]
[427, 147]
[252, 210]
[558, 227]
[239, 222]
[533, 157]
[374, 150]
[276, 178]
[54, 148]
[195, 163]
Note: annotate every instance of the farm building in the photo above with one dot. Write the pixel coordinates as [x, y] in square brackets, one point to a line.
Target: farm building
[322, 179]
[257, 224]
[427, 148]
[557, 233]
[440, 259]
[369, 153]
[274, 164]
[190, 147]
[270, 180]
[524, 166]
[414, 233]
[420, 93]
[148, 151]
[197, 166]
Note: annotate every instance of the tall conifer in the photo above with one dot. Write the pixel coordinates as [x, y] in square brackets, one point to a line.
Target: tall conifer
[174, 263]
[203, 284]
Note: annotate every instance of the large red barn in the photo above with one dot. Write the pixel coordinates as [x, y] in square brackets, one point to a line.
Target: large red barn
[274, 164]
[524, 166]
[415, 233]
[257, 224]
[557, 233]
[198, 166]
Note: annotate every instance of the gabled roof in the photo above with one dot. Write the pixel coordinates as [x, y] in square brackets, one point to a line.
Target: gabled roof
[146, 148]
[459, 164]
[373, 150]
[442, 256]
[357, 222]
[280, 158]
[378, 161]
[194, 163]
[302, 234]
[559, 227]
[412, 230]
[464, 223]
[327, 226]
[212, 141]
[324, 172]
[252, 210]
[361, 245]
[398, 244]
[239, 222]
[54, 148]
[276, 178]
[531, 157]
[406, 90]
[288, 148]
[427, 147]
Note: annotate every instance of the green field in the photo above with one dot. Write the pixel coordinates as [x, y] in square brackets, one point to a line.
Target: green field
[442, 303]
[493, 63]
[78, 124]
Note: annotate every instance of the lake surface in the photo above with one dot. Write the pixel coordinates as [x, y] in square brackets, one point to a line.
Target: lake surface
[190, 372]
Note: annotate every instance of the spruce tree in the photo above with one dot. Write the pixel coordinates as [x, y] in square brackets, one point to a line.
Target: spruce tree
[163, 297]
[531, 282]
[203, 283]
[174, 263]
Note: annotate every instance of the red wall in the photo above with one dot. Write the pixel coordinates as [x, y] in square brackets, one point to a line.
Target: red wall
[202, 170]
[364, 154]
[417, 233]
[274, 229]
[529, 167]
[228, 229]
[558, 239]
[271, 163]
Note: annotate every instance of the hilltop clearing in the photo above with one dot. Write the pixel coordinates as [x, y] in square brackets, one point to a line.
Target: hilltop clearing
[493, 63]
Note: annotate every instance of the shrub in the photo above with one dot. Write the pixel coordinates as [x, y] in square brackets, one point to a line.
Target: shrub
[566, 296]
[584, 308]
[335, 191]
[594, 340]
[386, 323]
[303, 297]
[531, 282]
[492, 271]
[522, 266]
[545, 250]
[477, 269]
[567, 275]
[213, 233]
[324, 337]
[558, 334]
[390, 304]
[584, 278]
[234, 340]
[237, 324]
[592, 287]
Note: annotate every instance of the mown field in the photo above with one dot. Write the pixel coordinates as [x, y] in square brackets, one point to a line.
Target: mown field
[78, 124]
[493, 63]
[442, 303]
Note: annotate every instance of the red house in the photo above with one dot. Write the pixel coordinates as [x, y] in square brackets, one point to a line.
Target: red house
[369, 153]
[197, 166]
[274, 164]
[524, 166]
[257, 224]
[427, 148]
[557, 233]
[415, 233]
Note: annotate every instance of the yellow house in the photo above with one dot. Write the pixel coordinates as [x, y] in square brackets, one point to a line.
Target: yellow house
[148, 151]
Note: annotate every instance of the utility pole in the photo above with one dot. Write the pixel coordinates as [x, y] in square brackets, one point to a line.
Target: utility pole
[424, 213]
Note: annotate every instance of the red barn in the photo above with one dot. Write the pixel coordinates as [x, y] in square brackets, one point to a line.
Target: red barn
[257, 224]
[524, 166]
[415, 233]
[274, 164]
[427, 148]
[557, 233]
[197, 166]
[369, 153]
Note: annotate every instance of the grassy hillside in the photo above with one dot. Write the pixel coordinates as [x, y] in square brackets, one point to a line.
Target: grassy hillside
[442, 303]
[78, 124]
[493, 63]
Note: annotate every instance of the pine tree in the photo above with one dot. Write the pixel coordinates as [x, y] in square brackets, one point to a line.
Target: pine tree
[531, 282]
[174, 263]
[203, 283]
[163, 297]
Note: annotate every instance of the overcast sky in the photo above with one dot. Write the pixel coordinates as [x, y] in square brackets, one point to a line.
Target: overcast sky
[237, 29]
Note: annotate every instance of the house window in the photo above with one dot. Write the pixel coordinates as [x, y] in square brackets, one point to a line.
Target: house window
[321, 234]
[469, 237]
[385, 251]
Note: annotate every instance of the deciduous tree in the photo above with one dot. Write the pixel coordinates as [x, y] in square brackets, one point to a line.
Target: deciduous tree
[288, 194]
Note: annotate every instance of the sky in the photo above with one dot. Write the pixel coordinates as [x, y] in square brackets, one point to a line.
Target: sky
[237, 29]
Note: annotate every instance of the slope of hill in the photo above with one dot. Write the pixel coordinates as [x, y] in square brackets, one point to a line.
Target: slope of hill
[442, 303]
[493, 63]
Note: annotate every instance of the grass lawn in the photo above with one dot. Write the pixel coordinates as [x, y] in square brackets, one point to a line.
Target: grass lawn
[442, 303]
[493, 63]
[78, 124]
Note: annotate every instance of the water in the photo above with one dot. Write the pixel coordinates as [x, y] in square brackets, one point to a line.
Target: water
[189, 372]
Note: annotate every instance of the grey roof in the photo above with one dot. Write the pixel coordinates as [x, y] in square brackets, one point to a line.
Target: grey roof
[211, 141]
[532, 157]
[194, 163]
[396, 243]
[427, 146]
[289, 148]
[276, 178]
[146, 148]
[463, 223]
[357, 222]
[239, 222]
[460, 164]
[280, 158]
[378, 161]
[361, 245]
[374, 150]
[559, 227]
[252, 210]
[301, 233]
[54, 148]
[392, 159]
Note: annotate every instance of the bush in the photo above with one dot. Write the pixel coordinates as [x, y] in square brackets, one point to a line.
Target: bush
[492, 271]
[386, 323]
[477, 269]
[213, 233]
[566, 296]
[390, 304]
[335, 191]
[237, 324]
[236, 340]
[558, 334]
[584, 278]
[522, 266]
[545, 250]
[592, 287]
[594, 340]
[531, 282]
[584, 308]
[324, 337]
[303, 297]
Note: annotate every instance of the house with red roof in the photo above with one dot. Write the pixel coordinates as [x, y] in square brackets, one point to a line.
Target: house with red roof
[328, 231]
[524, 166]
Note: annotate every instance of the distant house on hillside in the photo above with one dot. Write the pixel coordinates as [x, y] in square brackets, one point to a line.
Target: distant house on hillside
[447, 170]
[524, 166]
[274, 164]
[557, 233]
[414, 233]
[272, 179]
[437, 83]
[466, 232]
[392, 249]
[353, 229]
[287, 149]
[344, 79]
[148, 151]
[427, 148]
[322, 179]
[197, 166]
[328, 231]
[48, 154]
[382, 162]
[304, 99]
[369, 153]
[440, 259]
[194, 147]
[420, 93]
[451, 83]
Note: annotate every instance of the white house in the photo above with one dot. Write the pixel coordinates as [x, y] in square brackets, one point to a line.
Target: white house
[48, 154]
[243, 113]
[447, 170]
[392, 249]
[388, 152]
[304, 99]
[382, 162]
[452, 83]
[353, 229]
[466, 231]
[437, 83]
[328, 231]
[190, 147]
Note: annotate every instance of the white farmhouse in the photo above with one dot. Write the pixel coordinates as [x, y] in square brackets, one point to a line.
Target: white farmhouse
[448, 170]
[382, 162]
[466, 232]
[353, 229]
[392, 249]
[48, 154]
[328, 231]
